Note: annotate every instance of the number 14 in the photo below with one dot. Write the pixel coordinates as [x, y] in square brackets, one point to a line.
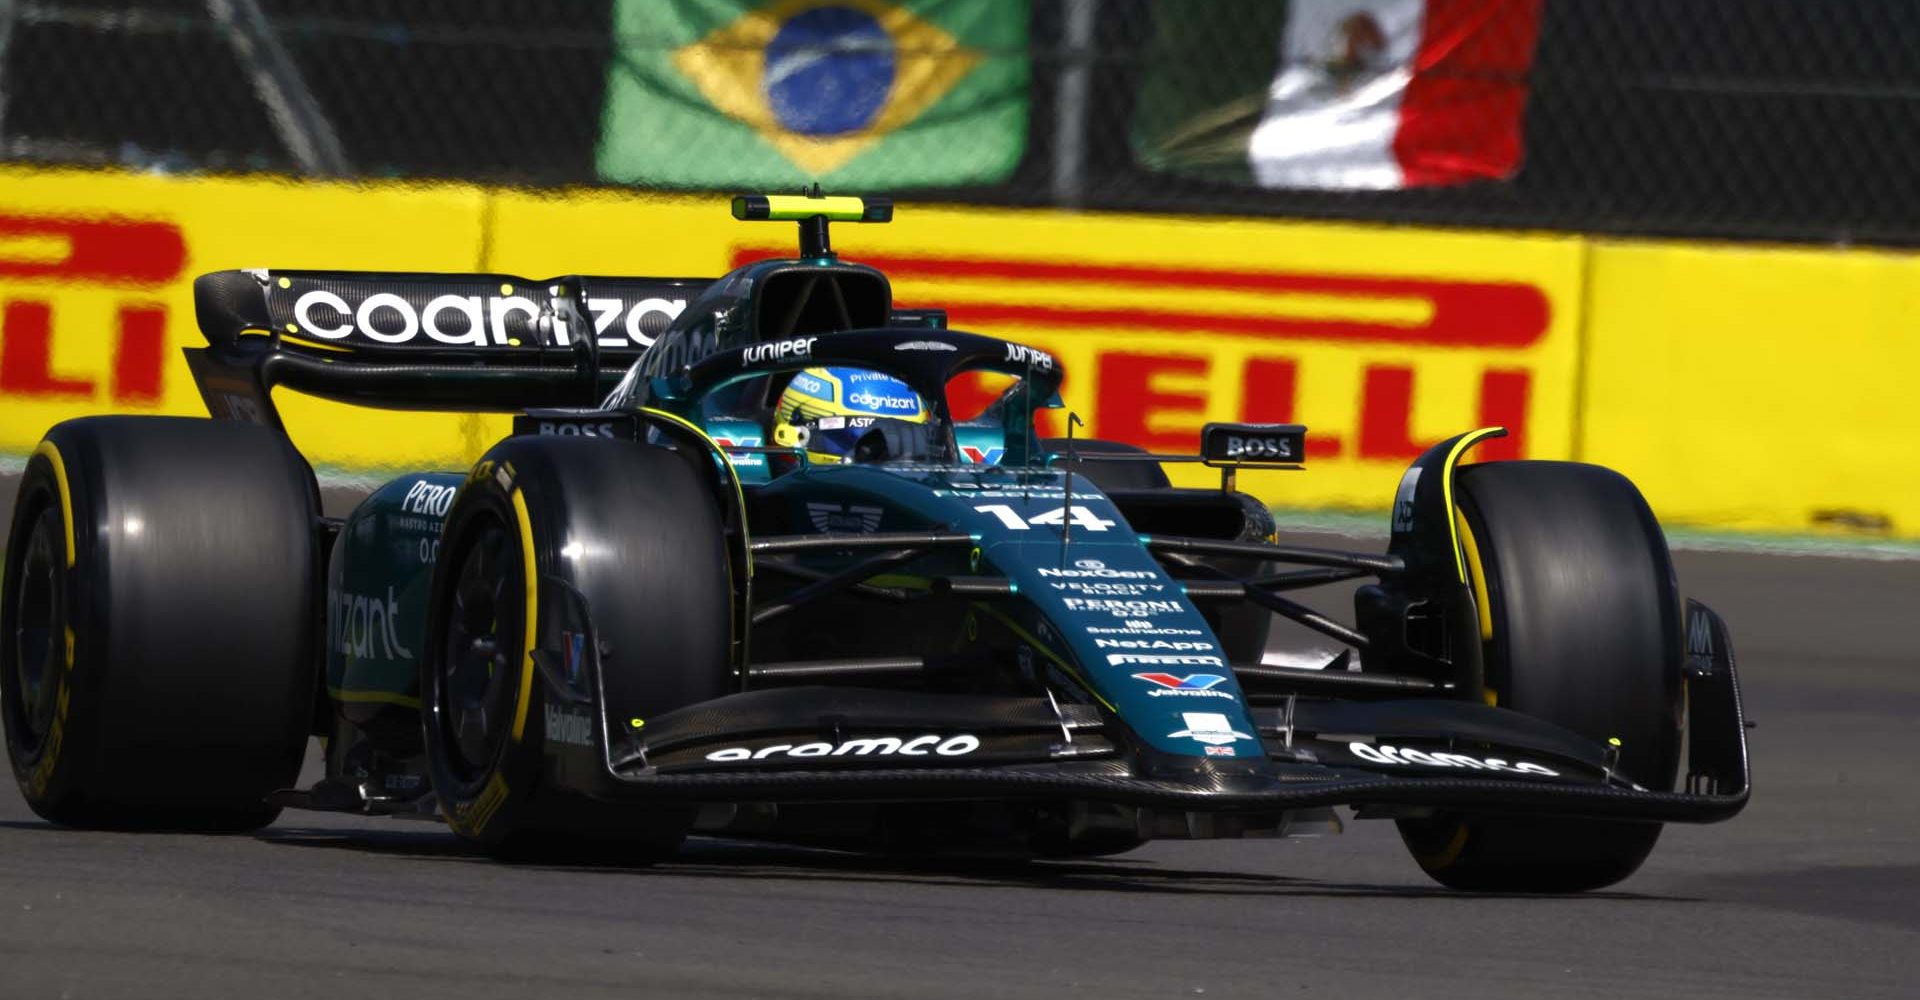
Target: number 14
[1082, 517]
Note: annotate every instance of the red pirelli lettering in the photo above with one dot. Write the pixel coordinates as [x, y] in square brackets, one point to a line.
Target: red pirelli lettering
[1460, 313]
[106, 250]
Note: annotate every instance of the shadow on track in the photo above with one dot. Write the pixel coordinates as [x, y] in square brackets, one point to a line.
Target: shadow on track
[706, 858]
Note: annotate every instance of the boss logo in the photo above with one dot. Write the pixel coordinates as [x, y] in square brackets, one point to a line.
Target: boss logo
[575, 423]
[555, 429]
[1253, 444]
[1250, 447]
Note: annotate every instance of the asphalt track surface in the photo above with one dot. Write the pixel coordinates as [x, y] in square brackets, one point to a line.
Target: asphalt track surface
[1813, 892]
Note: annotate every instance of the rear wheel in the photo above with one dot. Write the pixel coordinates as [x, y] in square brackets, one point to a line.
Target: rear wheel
[632, 531]
[158, 666]
[1582, 627]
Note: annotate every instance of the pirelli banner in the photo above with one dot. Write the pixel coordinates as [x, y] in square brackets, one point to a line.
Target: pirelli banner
[1778, 408]
[1381, 341]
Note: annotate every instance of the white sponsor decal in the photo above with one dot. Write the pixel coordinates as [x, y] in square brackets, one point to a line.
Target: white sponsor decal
[870, 401]
[1110, 589]
[1137, 628]
[1176, 646]
[924, 345]
[974, 491]
[777, 350]
[1082, 517]
[1024, 355]
[368, 626]
[880, 746]
[1385, 754]
[424, 497]
[1209, 727]
[565, 726]
[607, 311]
[1189, 686]
[1122, 608]
[1099, 573]
[1163, 660]
[462, 320]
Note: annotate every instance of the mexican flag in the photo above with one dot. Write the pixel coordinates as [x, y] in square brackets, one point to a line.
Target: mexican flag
[1396, 93]
[853, 94]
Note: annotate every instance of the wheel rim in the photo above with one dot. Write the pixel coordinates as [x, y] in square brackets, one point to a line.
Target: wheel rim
[483, 631]
[38, 618]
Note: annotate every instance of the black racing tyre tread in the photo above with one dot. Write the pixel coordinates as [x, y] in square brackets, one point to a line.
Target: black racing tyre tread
[1110, 475]
[1587, 633]
[193, 602]
[650, 546]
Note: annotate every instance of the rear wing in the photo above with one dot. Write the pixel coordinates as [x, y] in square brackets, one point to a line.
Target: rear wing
[476, 342]
[465, 315]
[423, 341]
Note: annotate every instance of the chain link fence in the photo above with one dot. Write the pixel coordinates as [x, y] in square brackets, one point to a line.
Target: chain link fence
[1763, 119]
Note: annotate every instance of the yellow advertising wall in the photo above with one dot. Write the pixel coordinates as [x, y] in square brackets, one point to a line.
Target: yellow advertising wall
[68, 280]
[1758, 387]
[1693, 369]
[1378, 337]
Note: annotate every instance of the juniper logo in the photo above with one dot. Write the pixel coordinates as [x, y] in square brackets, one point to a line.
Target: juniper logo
[777, 350]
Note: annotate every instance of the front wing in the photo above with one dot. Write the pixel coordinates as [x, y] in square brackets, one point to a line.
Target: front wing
[867, 745]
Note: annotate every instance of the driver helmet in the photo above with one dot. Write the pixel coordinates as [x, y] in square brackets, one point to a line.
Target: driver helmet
[826, 411]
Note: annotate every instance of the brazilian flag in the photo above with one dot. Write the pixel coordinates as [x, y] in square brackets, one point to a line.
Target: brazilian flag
[854, 94]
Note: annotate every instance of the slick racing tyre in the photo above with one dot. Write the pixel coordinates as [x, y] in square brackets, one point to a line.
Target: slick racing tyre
[1582, 627]
[1109, 475]
[632, 531]
[158, 668]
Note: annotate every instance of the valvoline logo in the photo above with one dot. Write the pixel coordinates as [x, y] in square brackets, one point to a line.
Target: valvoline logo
[1191, 685]
[748, 460]
[982, 456]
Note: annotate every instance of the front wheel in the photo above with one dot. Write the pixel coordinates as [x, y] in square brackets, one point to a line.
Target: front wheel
[1581, 626]
[631, 530]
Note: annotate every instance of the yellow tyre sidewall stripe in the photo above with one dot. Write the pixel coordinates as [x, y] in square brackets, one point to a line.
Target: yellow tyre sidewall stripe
[43, 769]
[1477, 578]
[1460, 447]
[47, 450]
[1448, 852]
[530, 630]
